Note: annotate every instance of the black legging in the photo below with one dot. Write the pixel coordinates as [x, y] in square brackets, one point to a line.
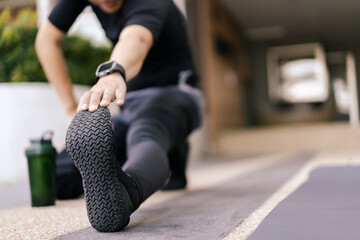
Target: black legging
[152, 123]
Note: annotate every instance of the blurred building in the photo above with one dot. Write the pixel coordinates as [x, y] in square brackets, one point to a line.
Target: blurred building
[263, 62]
[269, 62]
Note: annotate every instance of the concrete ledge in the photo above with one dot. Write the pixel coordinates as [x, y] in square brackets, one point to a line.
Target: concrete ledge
[17, 4]
[304, 137]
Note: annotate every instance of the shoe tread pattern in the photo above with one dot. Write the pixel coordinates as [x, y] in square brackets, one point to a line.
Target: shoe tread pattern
[90, 144]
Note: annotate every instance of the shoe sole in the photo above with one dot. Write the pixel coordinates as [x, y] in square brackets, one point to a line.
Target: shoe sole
[90, 144]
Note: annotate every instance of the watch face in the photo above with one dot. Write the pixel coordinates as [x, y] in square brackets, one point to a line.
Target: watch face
[105, 66]
[109, 67]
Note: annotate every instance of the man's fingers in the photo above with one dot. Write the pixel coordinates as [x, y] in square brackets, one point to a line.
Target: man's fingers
[84, 101]
[120, 95]
[102, 93]
[108, 97]
[94, 100]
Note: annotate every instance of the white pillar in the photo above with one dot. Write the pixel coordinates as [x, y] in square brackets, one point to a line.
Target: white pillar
[351, 79]
[43, 8]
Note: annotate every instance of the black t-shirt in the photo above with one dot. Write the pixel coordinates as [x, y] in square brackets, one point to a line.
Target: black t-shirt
[170, 53]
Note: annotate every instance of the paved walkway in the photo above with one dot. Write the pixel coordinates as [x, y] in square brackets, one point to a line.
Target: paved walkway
[226, 198]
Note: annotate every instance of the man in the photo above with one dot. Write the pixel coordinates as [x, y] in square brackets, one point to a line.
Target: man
[150, 74]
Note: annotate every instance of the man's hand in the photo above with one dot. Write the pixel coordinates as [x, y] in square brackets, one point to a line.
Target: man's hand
[108, 89]
[130, 52]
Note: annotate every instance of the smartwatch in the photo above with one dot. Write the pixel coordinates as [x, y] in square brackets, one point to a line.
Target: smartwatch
[109, 67]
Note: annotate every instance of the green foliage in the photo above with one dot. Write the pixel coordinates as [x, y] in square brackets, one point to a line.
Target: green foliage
[18, 60]
[83, 59]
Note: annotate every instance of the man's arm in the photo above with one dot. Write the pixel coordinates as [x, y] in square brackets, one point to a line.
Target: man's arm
[48, 49]
[130, 52]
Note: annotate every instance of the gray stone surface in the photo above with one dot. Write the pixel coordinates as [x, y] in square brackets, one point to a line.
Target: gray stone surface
[209, 213]
[325, 207]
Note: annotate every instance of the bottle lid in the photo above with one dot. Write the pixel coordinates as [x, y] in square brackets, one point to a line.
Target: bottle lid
[42, 146]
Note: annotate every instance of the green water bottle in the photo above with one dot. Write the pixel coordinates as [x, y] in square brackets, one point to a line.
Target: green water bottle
[41, 164]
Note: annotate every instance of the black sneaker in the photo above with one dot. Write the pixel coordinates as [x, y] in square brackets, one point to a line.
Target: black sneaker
[177, 164]
[90, 144]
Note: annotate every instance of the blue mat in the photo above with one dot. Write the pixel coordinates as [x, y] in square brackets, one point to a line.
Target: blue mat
[326, 207]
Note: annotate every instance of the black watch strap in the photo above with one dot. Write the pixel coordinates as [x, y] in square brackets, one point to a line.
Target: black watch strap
[110, 67]
[121, 70]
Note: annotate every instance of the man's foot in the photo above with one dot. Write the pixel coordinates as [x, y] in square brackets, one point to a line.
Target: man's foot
[175, 183]
[177, 163]
[90, 144]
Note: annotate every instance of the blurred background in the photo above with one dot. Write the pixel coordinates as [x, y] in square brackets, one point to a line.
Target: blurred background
[276, 75]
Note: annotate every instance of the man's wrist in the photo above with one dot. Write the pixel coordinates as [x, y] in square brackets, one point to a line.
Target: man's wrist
[115, 76]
